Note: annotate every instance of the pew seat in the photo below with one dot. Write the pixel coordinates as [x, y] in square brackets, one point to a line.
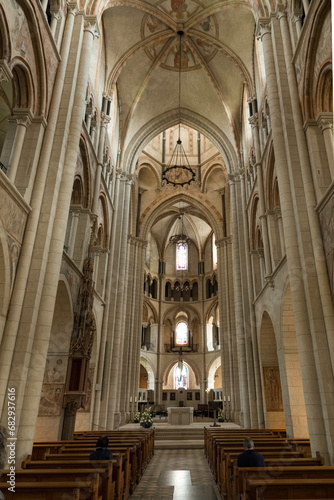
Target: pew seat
[273, 489]
[55, 490]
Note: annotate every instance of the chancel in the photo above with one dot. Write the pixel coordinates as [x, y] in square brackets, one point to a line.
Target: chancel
[166, 239]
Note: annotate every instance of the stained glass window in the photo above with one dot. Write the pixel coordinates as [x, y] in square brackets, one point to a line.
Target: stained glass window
[181, 331]
[181, 256]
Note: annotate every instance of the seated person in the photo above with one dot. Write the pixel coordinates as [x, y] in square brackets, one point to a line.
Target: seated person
[250, 457]
[102, 451]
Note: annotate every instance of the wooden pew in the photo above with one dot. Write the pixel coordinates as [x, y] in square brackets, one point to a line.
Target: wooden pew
[225, 474]
[270, 489]
[49, 491]
[223, 451]
[266, 473]
[123, 486]
[109, 471]
[235, 488]
[138, 459]
[135, 458]
[261, 443]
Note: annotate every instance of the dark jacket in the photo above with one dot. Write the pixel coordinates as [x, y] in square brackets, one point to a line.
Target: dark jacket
[250, 458]
[101, 454]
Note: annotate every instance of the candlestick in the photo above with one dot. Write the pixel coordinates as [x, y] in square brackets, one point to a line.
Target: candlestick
[228, 398]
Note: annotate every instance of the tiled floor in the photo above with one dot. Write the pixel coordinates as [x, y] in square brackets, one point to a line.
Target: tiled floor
[177, 475]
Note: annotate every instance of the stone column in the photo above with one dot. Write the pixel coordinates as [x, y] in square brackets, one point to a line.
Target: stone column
[224, 313]
[302, 322]
[55, 16]
[35, 373]
[325, 123]
[114, 248]
[260, 254]
[278, 214]
[254, 121]
[73, 233]
[116, 314]
[137, 315]
[23, 118]
[104, 123]
[239, 317]
[254, 374]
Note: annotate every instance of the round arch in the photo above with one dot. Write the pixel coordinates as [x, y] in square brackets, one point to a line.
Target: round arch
[209, 171]
[150, 372]
[309, 104]
[190, 362]
[215, 363]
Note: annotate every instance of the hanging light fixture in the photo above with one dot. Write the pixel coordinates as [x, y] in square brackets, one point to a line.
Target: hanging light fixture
[181, 239]
[178, 171]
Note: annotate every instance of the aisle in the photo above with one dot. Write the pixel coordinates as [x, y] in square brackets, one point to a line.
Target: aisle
[177, 475]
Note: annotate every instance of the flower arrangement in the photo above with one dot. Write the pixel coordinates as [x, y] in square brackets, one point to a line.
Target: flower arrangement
[136, 417]
[146, 418]
[221, 415]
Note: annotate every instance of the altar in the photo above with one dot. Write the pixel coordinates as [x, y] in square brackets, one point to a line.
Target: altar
[180, 416]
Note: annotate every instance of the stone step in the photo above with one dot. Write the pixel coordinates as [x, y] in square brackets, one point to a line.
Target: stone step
[177, 444]
[179, 434]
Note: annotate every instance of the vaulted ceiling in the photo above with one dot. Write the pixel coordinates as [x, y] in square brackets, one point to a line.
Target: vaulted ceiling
[143, 58]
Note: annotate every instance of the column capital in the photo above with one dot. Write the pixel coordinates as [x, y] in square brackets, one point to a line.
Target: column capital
[5, 73]
[92, 26]
[138, 242]
[105, 119]
[72, 8]
[23, 116]
[263, 27]
[278, 212]
[227, 240]
[281, 11]
[254, 120]
[325, 121]
[55, 13]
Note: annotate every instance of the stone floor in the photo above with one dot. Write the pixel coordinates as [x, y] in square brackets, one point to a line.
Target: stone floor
[177, 475]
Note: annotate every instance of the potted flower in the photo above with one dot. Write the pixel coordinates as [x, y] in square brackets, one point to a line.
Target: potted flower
[221, 415]
[146, 420]
[136, 417]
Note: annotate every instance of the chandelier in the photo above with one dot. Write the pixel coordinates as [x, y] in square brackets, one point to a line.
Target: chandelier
[178, 171]
[184, 240]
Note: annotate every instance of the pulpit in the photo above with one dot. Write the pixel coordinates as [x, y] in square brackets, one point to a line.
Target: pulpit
[180, 416]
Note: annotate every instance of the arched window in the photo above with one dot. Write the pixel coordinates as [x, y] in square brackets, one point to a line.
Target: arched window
[181, 334]
[181, 256]
[181, 377]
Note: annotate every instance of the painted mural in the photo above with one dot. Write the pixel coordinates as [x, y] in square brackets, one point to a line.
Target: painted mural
[188, 54]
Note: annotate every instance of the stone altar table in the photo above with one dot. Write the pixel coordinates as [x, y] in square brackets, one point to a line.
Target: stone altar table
[180, 416]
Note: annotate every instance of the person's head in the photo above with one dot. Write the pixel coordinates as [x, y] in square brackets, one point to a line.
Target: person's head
[102, 442]
[3, 436]
[248, 443]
